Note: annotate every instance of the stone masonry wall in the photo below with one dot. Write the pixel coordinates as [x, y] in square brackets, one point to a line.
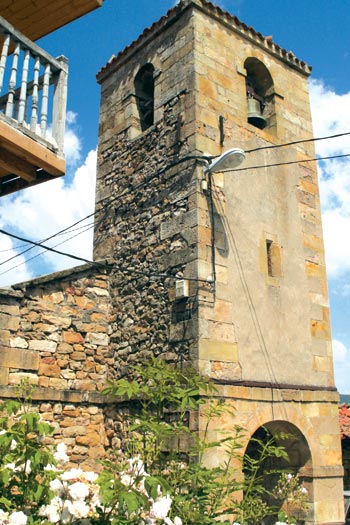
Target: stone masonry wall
[147, 222]
[54, 331]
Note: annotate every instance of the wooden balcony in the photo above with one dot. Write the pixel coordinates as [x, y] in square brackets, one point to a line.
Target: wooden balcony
[33, 97]
[37, 18]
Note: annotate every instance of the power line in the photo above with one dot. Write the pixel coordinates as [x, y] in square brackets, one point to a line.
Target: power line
[97, 263]
[274, 146]
[48, 248]
[43, 240]
[173, 164]
[109, 201]
[194, 157]
[44, 251]
[287, 163]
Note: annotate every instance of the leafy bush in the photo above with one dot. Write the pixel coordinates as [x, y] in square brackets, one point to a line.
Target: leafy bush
[159, 477]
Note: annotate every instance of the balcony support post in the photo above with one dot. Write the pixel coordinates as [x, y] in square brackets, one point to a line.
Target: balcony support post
[60, 104]
[4, 53]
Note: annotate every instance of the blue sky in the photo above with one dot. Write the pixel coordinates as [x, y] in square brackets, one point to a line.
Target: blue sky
[315, 30]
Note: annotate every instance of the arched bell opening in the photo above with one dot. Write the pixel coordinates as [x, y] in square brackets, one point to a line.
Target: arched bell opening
[144, 92]
[266, 468]
[260, 94]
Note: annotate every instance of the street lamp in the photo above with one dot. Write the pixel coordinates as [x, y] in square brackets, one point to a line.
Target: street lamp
[229, 160]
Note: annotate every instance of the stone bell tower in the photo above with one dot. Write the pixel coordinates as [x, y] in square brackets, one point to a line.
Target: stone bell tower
[227, 269]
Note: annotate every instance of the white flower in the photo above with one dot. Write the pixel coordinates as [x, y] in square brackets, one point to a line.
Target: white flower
[52, 511]
[61, 453]
[127, 480]
[11, 466]
[78, 490]
[91, 477]
[161, 507]
[3, 515]
[50, 467]
[71, 474]
[78, 509]
[56, 485]
[27, 467]
[18, 518]
[303, 490]
[177, 520]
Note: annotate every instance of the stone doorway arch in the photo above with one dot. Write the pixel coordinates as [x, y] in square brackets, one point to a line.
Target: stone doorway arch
[299, 462]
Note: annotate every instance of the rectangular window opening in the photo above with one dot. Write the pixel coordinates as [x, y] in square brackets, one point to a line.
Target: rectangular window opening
[273, 254]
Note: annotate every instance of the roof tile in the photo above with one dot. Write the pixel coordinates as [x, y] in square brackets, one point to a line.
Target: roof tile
[214, 10]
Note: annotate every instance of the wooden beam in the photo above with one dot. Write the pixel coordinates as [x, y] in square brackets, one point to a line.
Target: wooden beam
[3, 172]
[37, 19]
[17, 166]
[30, 150]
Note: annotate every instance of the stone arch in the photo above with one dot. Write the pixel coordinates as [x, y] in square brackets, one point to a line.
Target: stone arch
[297, 448]
[260, 94]
[144, 92]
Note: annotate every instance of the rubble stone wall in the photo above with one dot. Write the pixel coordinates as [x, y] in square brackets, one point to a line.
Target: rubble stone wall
[54, 332]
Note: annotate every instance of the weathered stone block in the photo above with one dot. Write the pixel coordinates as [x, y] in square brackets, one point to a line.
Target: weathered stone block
[49, 370]
[74, 431]
[217, 350]
[18, 342]
[22, 359]
[9, 309]
[9, 322]
[4, 375]
[15, 378]
[43, 345]
[99, 339]
[72, 337]
[4, 337]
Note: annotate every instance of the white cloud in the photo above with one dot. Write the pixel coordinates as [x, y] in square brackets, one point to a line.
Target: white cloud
[71, 117]
[41, 211]
[341, 355]
[331, 115]
[72, 147]
[7, 252]
[72, 142]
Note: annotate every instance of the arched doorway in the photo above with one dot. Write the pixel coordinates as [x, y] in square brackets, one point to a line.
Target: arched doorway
[275, 448]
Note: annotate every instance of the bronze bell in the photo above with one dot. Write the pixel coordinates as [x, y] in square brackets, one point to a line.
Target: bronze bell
[255, 114]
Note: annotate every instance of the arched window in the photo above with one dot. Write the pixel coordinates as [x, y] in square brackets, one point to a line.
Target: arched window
[144, 90]
[260, 94]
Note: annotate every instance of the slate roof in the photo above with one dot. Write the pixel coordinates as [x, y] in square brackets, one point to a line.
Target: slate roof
[216, 12]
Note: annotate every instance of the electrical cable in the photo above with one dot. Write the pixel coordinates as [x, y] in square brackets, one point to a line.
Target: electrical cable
[287, 163]
[206, 159]
[173, 164]
[48, 248]
[42, 252]
[43, 240]
[250, 303]
[298, 142]
[95, 263]
[111, 200]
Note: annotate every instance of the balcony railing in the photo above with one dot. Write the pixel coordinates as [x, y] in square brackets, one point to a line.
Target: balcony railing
[33, 98]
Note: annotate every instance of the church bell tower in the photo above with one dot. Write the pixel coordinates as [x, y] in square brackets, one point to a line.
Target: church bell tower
[225, 269]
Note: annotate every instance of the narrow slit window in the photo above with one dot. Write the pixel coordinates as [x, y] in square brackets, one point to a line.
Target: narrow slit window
[269, 258]
[274, 263]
